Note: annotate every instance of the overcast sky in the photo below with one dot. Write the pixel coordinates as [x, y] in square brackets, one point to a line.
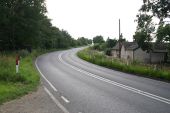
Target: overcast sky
[89, 18]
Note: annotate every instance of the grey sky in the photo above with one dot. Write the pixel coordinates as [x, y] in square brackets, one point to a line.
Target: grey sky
[89, 18]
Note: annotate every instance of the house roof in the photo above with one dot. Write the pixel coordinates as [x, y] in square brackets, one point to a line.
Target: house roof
[116, 47]
[127, 45]
[161, 47]
[130, 45]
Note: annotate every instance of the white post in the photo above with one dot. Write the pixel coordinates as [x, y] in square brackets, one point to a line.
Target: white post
[17, 68]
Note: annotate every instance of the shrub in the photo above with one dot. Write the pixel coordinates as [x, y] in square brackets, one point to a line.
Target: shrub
[23, 53]
[108, 51]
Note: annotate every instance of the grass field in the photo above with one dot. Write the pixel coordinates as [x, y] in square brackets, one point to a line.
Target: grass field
[134, 68]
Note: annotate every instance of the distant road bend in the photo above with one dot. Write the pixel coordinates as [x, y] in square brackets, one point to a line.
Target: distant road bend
[77, 86]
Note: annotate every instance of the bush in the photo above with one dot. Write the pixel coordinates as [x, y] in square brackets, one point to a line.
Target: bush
[108, 51]
[23, 53]
[100, 47]
[96, 47]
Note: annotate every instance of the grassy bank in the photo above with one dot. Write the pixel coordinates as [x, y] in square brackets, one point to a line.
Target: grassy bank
[14, 85]
[134, 68]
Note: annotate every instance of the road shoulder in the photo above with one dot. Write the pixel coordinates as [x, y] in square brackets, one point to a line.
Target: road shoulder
[35, 102]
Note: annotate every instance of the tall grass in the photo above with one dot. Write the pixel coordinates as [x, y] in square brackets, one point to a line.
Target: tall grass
[14, 85]
[7, 70]
[102, 60]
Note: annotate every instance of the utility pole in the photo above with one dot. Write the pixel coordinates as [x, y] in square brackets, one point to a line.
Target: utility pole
[119, 41]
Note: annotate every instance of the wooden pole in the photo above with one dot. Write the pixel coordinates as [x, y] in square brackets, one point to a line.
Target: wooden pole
[119, 41]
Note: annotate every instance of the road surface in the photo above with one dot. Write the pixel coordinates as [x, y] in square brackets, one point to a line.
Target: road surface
[77, 86]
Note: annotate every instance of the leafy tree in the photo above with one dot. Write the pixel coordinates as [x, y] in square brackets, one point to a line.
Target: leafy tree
[155, 8]
[143, 39]
[20, 22]
[82, 41]
[110, 42]
[163, 33]
[98, 39]
[159, 8]
[89, 41]
[145, 28]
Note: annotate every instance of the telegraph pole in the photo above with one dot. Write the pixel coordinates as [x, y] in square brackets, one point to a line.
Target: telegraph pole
[119, 41]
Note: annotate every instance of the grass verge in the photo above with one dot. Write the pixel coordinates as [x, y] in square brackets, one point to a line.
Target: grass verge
[102, 60]
[14, 85]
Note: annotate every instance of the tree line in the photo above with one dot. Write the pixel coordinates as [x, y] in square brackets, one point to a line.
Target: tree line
[24, 23]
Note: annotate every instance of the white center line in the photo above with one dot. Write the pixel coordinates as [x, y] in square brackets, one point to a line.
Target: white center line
[65, 99]
[155, 97]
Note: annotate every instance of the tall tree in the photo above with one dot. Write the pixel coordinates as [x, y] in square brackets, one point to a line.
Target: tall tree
[163, 33]
[143, 34]
[110, 42]
[98, 39]
[20, 21]
[159, 8]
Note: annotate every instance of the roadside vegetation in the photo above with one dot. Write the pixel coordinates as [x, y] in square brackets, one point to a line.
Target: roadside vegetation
[12, 84]
[99, 58]
[26, 29]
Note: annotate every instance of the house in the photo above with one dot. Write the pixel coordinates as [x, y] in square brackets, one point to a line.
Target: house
[131, 51]
[115, 51]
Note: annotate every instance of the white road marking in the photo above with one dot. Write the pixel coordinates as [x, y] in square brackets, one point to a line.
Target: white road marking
[45, 77]
[159, 98]
[65, 99]
[56, 101]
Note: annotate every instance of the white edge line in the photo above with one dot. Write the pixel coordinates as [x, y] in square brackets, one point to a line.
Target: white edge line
[161, 99]
[65, 99]
[45, 77]
[56, 101]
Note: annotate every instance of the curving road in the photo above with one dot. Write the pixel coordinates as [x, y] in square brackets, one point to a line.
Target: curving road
[77, 86]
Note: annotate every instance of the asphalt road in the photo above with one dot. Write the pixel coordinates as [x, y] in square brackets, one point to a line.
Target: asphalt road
[77, 86]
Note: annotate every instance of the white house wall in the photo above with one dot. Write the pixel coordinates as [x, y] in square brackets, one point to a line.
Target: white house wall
[157, 57]
[123, 53]
[129, 53]
[141, 55]
[115, 53]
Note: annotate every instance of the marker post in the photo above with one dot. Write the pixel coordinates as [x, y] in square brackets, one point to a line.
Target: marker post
[17, 63]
